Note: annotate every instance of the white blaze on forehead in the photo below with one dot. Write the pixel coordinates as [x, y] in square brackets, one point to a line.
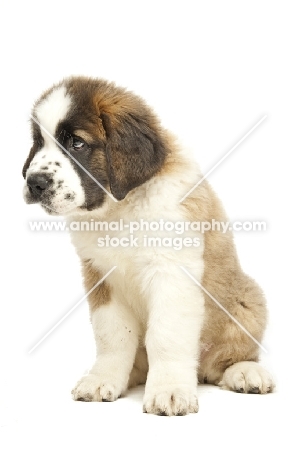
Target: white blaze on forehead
[52, 110]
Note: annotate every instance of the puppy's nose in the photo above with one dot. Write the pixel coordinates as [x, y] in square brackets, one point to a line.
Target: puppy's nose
[37, 184]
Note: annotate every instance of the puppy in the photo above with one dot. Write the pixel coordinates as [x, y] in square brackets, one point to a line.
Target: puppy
[167, 313]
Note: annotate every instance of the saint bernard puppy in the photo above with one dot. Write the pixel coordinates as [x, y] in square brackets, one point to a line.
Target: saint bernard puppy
[168, 315]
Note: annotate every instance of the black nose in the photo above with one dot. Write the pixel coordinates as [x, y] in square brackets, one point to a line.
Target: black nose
[37, 184]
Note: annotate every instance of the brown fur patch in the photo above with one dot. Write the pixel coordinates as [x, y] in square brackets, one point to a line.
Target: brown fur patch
[135, 150]
[102, 294]
[134, 145]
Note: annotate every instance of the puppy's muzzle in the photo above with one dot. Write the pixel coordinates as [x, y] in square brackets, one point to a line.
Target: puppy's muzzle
[37, 184]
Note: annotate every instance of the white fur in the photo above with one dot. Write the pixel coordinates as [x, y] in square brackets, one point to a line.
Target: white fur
[52, 110]
[152, 297]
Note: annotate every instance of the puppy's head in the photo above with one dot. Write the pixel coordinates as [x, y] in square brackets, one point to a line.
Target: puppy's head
[91, 140]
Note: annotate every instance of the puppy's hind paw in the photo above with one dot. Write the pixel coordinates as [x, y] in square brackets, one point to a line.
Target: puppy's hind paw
[247, 377]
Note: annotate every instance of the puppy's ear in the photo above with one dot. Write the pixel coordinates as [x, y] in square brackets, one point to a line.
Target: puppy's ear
[29, 159]
[134, 150]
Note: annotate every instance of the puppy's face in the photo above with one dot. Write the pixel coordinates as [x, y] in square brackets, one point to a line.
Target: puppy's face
[90, 139]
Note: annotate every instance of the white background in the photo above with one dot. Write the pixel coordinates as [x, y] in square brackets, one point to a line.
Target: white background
[211, 70]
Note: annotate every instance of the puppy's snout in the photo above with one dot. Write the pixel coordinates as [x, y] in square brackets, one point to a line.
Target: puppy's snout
[37, 184]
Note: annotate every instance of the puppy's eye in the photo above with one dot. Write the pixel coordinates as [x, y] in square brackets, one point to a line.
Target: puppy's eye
[77, 144]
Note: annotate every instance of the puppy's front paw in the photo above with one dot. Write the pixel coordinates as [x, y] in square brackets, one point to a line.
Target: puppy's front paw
[170, 402]
[247, 377]
[92, 388]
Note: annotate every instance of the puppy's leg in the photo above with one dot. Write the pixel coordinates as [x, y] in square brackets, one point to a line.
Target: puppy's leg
[116, 334]
[176, 307]
[228, 355]
[116, 337]
[247, 377]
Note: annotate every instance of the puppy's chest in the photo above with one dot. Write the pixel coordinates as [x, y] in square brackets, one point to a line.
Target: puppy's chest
[115, 246]
[119, 239]
[126, 280]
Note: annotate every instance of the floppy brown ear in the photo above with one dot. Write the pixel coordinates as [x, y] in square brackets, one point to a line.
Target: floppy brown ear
[134, 150]
[29, 159]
